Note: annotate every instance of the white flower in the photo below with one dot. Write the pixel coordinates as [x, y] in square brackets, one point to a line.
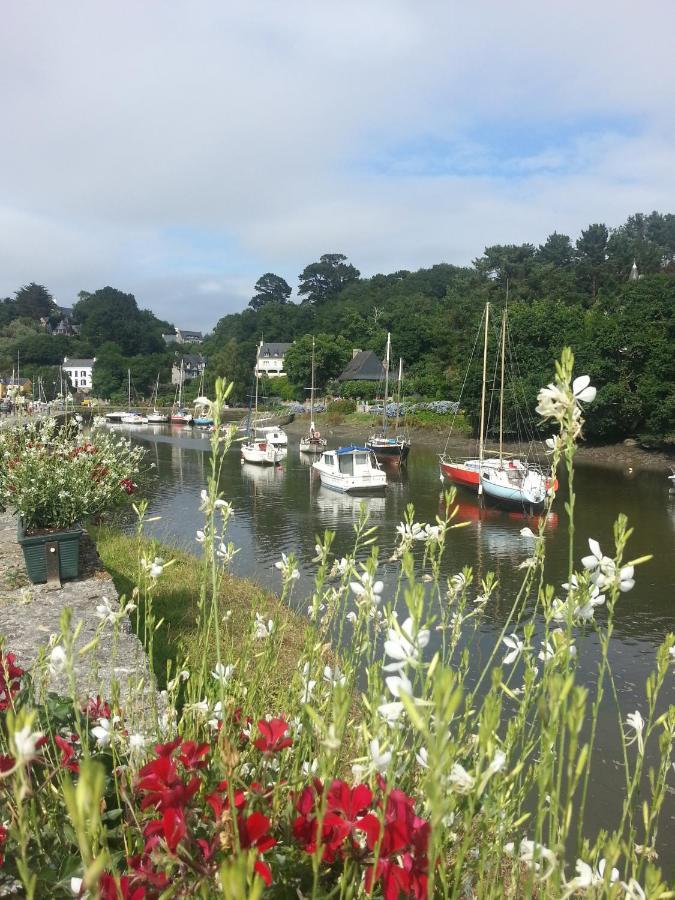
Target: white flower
[106, 613]
[497, 764]
[351, 616]
[547, 652]
[25, 742]
[261, 628]
[103, 732]
[308, 685]
[527, 533]
[456, 585]
[333, 676]
[637, 723]
[201, 707]
[308, 768]
[57, 660]
[137, 742]
[287, 567]
[626, 580]
[422, 757]
[379, 758]
[553, 402]
[391, 712]
[515, 646]
[200, 536]
[366, 589]
[459, 780]
[76, 884]
[583, 390]
[633, 890]
[404, 645]
[399, 684]
[157, 567]
[671, 653]
[540, 859]
[221, 673]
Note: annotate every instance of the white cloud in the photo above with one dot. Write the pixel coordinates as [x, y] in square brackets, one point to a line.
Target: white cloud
[180, 150]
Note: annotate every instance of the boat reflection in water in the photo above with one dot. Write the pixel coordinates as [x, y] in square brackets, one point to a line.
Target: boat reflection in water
[336, 507]
[270, 477]
[474, 512]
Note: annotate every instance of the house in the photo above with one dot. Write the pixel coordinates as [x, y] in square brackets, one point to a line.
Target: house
[271, 359]
[193, 366]
[183, 336]
[10, 385]
[363, 366]
[80, 373]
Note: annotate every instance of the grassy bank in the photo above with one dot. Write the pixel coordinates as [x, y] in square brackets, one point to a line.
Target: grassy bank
[424, 419]
[176, 599]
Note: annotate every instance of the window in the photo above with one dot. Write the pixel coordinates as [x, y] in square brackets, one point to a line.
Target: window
[83, 374]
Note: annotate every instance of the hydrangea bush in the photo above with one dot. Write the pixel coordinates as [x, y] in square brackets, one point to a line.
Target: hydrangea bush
[54, 477]
[391, 771]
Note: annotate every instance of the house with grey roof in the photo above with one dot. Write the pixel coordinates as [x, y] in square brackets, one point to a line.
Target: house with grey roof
[363, 366]
[193, 366]
[271, 358]
[80, 373]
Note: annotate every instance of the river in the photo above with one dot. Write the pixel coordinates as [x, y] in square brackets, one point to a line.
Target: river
[283, 509]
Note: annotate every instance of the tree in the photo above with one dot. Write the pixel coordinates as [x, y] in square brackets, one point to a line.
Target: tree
[270, 288]
[110, 371]
[322, 280]
[111, 315]
[33, 301]
[557, 250]
[592, 254]
[331, 355]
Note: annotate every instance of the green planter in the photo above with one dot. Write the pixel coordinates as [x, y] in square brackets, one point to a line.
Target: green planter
[34, 552]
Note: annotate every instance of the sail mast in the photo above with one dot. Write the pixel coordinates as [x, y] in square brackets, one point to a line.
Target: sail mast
[257, 363]
[129, 390]
[501, 391]
[386, 385]
[398, 396]
[482, 402]
[311, 396]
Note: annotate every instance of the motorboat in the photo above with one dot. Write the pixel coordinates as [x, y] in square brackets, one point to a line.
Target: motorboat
[134, 418]
[275, 435]
[157, 418]
[350, 469]
[181, 417]
[115, 416]
[261, 452]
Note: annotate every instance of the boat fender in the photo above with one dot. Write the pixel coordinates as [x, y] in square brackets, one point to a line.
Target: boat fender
[317, 434]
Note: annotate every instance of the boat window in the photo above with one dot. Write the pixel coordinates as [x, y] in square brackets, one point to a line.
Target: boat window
[347, 464]
[328, 459]
[361, 459]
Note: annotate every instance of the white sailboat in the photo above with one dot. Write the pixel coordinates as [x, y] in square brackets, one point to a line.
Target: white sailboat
[130, 417]
[179, 415]
[259, 450]
[312, 442]
[396, 447]
[156, 417]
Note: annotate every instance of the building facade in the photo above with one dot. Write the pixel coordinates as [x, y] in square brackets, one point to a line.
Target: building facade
[193, 366]
[271, 359]
[80, 373]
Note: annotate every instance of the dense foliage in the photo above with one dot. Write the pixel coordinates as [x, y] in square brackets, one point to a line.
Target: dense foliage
[562, 292]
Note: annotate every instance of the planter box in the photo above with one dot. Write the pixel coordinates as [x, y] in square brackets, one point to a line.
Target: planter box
[34, 552]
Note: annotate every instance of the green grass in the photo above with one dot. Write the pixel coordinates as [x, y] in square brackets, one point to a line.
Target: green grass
[175, 600]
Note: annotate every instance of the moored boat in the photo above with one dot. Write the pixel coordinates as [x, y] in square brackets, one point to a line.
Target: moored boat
[350, 469]
[134, 418]
[386, 448]
[261, 450]
[312, 442]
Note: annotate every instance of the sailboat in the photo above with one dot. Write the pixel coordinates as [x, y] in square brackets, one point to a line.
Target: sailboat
[156, 417]
[203, 416]
[312, 442]
[130, 417]
[504, 479]
[259, 450]
[384, 447]
[179, 415]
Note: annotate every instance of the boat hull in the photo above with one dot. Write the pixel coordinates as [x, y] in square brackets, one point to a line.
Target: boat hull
[511, 497]
[353, 484]
[462, 473]
[391, 451]
[313, 445]
[261, 454]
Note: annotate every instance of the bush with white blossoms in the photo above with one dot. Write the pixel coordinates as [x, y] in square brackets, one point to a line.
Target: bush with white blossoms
[55, 477]
[398, 762]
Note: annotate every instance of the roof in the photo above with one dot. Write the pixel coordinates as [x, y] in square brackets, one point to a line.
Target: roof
[274, 349]
[192, 359]
[66, 311]
[78, 363]
[365, 366]
[189, 334]
[12, 381]
[353, 449]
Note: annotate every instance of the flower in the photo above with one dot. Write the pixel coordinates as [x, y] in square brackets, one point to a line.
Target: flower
[399, 684]
[587, 877]
[391, 712]
[422, 757]
[106, 612]
[459, 780]
[200, 536]
[272, 736]
[379, 758]
[262, 629]
[637, 723]
[582, 389]
[137, 743]
[333, 676]
[287, 567]
[25, 743]
[57, 660]
[221, 673]
[633, 890]
[404, 645]
[76, 886]
[366, 589]
[540, 859]
[102, 732]
[515, 646]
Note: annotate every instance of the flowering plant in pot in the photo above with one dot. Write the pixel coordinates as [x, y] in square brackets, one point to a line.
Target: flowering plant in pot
[55, 479]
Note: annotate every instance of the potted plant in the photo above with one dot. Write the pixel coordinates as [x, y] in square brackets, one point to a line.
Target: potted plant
[55, 479]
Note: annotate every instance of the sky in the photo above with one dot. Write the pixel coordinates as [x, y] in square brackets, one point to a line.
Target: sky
[180, 150]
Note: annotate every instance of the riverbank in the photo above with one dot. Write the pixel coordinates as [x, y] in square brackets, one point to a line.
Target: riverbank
[176, 599]
[622, 456]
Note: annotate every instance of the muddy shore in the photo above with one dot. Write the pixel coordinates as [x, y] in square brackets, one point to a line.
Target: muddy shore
[618, 456]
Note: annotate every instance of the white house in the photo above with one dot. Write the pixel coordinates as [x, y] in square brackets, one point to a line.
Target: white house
[271, 359]
[80, 372]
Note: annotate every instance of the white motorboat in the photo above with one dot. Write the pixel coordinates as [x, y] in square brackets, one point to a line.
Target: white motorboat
[261, 452]
[350, 469]
[134, 418]
[312, 442]
[115, 416]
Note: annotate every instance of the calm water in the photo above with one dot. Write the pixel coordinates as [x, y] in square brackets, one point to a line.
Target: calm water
[284, 509]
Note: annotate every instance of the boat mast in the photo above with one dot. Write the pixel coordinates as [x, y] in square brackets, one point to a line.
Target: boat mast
[129, 390]
[398, 396]
[311, 396]
[501, 392]
[482, 402]
[386, 385]
[255, 412]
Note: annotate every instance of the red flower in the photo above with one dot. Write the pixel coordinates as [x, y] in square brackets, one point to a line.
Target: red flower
[253, 835]
[97, 709]
[171, 827]
[10, 679]
[67, 753]
[191, 755]
[6, 763]
[162, 786]
[128, 485]
[167, 749]
[272, 733]
[219, 799]
[146, 872]
[3, 838]
[108, 888]
[343, 817]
